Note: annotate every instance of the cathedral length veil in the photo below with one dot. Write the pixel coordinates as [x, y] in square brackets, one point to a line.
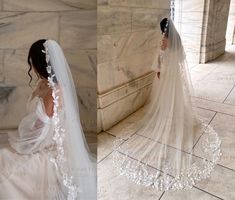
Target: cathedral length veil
[160, 153]
[71, 157]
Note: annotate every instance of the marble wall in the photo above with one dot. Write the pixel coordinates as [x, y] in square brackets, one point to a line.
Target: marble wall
[202, 25]
[188, 21]
[230, 35]
[128, 41]
[73, 24]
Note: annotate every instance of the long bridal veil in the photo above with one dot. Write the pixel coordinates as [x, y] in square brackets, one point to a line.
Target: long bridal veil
[73, 161]
[160, 153]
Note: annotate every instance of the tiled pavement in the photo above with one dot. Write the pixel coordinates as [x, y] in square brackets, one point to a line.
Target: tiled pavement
[214, 85]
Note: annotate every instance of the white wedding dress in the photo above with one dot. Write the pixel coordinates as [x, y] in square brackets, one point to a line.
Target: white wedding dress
[48, 157]
[161, 153]
[26, 171]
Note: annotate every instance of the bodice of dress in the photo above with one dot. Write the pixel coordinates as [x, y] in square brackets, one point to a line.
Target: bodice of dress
[35, 130]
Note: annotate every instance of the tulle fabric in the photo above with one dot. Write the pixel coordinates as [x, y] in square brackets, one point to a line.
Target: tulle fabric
[26, 169]
[50, 153]
[73, 158]
[159, 153]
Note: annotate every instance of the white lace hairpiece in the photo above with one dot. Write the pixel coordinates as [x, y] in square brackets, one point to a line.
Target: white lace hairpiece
[60, 159]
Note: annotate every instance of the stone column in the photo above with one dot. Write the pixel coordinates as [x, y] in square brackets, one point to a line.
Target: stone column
[214, 29]
[71, 23]
[202, 26]
[230, 36]
[128, 41]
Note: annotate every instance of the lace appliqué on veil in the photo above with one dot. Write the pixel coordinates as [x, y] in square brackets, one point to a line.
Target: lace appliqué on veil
[59, 158]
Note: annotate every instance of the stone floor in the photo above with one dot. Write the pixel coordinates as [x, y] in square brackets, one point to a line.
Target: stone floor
[214, 85]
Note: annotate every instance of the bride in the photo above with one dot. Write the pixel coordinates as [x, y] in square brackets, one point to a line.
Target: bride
[47, 157]
[161, 153]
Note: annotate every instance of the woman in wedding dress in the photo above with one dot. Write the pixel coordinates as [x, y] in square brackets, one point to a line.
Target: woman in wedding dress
[47, 157]
[161, 153]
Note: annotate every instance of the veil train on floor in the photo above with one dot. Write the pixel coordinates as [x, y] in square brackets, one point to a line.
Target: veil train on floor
[161, 152]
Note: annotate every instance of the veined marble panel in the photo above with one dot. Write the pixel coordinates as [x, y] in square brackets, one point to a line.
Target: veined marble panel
[78, 29]
[141, 3]
[189, 5]
[47, 5]
[147, 19]
[211, 52]
[87, 108]
[13, 106]
[120, 101]
[16, 68]
[190, 24]
[113, 20]
[115, 73]
[83, 67]
[20, 29]
[82, 64]
[102, 2]
[117, 111]
[128, 42]
[125, 90]
[111, 47]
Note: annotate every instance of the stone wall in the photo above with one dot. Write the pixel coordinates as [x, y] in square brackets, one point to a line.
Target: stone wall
[128, 41]
[70, 22]
[202, 26]
[188, 21]
[230, 36]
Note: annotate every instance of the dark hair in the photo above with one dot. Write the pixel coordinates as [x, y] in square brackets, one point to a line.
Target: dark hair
[37, 59]
[163, 24]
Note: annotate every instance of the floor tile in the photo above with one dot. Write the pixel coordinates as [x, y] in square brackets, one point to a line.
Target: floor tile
[225, 127]
[105, 145]
[231, 98]
[193, 194]
[215, 106]
[128, 126]
[221, 183]
[112, 186]
[211, 90]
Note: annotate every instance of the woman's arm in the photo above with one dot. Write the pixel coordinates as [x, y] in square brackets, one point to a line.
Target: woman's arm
[45, 92]
[48, 103]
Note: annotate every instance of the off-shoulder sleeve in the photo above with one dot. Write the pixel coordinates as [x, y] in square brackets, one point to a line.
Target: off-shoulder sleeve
[34, 132]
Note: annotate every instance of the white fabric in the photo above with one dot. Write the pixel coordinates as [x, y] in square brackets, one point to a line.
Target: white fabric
[28, 166]
[169, 128]
[26, 171]
[80, 163]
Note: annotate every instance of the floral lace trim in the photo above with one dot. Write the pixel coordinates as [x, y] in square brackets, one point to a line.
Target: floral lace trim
[59, 158]
[145, 175]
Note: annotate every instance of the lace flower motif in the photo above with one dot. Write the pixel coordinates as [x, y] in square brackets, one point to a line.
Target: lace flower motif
[59, 159]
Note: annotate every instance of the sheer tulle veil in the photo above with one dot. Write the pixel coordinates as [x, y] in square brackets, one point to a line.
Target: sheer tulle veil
[160, 153]
[72, 158]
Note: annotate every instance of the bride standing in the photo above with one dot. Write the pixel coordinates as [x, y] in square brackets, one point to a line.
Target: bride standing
[160, 153]
[48, 158]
